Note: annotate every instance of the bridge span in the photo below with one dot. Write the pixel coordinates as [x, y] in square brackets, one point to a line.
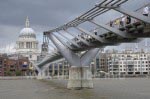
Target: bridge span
[91, 42]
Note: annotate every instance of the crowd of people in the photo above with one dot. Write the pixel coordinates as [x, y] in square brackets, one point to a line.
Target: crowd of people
[121, 22]
[125, 20]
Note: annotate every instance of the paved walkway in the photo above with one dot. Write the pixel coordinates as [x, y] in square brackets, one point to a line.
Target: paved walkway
[56, 89]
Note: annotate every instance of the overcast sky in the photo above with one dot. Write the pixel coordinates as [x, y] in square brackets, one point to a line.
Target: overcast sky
[45, 14]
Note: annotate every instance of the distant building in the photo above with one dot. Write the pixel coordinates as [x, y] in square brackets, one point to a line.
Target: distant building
[103, 62]
[27, 44]
[129, 63]
[121, 64]
[111, 63]
[14, 66]
[59, 69]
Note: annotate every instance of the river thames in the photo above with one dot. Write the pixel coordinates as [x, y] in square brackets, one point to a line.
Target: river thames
[135, 88]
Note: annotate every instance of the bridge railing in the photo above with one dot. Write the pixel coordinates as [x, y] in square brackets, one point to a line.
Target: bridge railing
[89, 38]
[133, 20]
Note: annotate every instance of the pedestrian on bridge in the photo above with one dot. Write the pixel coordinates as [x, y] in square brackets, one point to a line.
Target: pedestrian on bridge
[111, 23]
[146, 11]
[128, 20]
[122, 20]
[117, 22]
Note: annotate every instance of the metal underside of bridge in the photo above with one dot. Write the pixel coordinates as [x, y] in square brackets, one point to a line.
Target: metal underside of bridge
[90, 41]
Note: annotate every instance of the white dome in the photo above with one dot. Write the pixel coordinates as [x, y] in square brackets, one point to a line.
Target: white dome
[27, 31]
[27, 43]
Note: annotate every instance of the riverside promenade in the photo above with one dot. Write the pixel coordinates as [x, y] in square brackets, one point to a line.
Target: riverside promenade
[135, 88]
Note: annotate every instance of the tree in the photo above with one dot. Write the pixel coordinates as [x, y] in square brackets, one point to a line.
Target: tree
[18, 73]
[8, 73]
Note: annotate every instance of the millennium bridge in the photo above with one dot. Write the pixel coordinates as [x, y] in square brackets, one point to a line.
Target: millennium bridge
[84, 44]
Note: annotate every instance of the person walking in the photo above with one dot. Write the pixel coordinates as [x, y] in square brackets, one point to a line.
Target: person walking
[146, 11]
[123, 20]
[128, 20]
[117, 23]
[111, 23]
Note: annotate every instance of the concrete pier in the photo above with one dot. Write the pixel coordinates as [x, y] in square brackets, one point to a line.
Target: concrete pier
[80, 77]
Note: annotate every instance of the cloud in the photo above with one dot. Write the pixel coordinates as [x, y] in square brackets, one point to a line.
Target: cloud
[46, 14]
[8, 32]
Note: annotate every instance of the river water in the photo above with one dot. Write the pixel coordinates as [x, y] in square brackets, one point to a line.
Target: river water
[135, 88]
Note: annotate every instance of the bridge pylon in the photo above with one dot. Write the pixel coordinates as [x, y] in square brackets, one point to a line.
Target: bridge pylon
[42, 72]
[80, 75]
[41, 75]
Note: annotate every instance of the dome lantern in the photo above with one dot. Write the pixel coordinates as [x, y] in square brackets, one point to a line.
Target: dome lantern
[27, 24]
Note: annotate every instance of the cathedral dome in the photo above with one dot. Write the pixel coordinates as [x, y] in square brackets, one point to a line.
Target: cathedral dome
[27, 31]
[27, 44]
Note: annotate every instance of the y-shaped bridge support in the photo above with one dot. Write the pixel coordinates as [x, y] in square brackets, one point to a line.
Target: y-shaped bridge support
[41, 72]
[79, 73]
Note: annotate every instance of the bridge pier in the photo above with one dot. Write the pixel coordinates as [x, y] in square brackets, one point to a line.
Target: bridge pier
[41, 75]
[42, 72]
[80, 75]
